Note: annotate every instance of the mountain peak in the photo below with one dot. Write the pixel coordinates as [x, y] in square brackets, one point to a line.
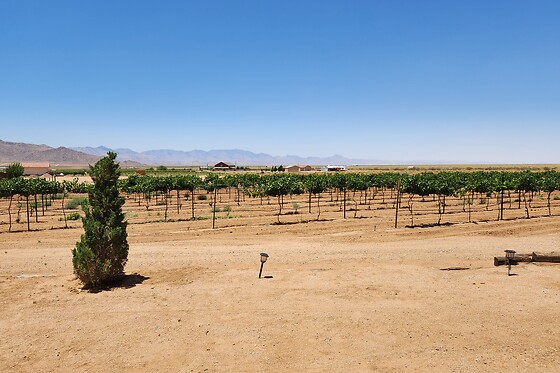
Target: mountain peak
[21, 152]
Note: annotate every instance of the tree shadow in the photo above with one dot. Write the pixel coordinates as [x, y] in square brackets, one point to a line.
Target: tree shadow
[130, 281]
[124, 282]
[430, 225]
[301, 222]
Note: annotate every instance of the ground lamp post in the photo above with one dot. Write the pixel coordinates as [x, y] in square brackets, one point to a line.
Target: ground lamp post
[264, 257]
[510, 254]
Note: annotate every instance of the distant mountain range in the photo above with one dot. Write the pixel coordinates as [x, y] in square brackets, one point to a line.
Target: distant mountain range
[202, 158]
[22, 152]
[211, 157]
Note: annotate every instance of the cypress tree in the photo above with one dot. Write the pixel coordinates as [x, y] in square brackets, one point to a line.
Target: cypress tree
[101, 254]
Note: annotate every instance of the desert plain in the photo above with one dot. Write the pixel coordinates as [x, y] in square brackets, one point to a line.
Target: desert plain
[340, 295]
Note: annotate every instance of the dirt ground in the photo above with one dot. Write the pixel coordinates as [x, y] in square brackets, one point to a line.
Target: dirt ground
[344, 296]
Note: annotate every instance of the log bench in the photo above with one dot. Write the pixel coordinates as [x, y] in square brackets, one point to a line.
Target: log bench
[553, 257]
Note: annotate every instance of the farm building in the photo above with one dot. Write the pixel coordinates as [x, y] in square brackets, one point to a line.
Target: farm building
[296, 168]
[36, 168]
[222, 166]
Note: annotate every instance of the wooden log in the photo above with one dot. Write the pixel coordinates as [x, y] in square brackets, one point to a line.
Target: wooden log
[546, 257]
[501, 260]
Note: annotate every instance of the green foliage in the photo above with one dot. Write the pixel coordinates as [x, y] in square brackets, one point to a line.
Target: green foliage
[14, 170]
[315, 183]
[295, 205]
[226, 208]
[72, 216]
[101, 254]
[75, 202]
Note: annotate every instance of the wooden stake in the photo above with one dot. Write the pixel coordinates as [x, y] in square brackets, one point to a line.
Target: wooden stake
[397, 203]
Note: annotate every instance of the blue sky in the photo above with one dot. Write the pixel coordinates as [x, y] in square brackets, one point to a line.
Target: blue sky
[472, 81]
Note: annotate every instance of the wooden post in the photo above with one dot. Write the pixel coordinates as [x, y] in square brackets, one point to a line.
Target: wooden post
[397, 203]
[36, 208]
[344, 202]
[214, 209]
[27, 199]
[502, 205]
[192, 204]
[10, 213]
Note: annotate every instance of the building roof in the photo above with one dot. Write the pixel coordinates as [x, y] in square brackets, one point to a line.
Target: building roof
[36, 165]
[221, 164]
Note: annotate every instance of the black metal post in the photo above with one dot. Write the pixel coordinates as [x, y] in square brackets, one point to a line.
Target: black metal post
[510, 254]
[260, 272]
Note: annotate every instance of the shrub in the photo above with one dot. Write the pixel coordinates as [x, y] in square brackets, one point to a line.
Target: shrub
[72, 216]
[202, 197]
[295, 205]
[75, 202]
[102, 252]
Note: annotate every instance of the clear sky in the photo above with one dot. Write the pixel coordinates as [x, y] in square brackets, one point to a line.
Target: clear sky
[390, 80]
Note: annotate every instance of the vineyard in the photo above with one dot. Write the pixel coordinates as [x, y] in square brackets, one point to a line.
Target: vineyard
[246, 199]
[213, 200]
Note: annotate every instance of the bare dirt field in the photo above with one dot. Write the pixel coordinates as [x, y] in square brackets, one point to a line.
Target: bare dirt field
[350, 295]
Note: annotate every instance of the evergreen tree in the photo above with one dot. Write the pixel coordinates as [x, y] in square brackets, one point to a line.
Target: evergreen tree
[101, 254]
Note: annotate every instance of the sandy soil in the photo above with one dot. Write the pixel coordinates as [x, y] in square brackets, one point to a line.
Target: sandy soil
[345, 296]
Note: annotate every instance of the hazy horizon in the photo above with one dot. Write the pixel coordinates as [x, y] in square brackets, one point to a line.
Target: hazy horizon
[159, 156]
[472, 82]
